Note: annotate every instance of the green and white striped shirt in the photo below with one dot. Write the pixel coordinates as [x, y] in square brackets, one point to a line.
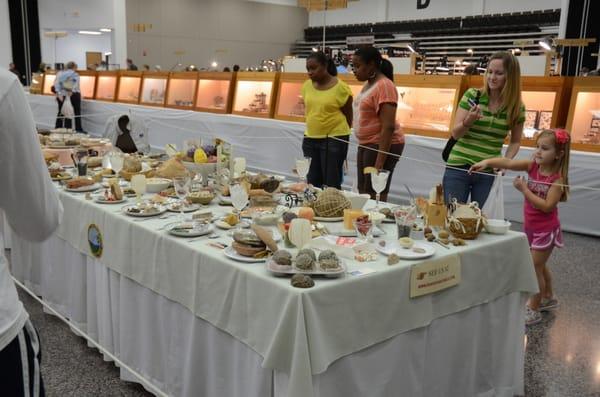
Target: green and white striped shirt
[485, 138]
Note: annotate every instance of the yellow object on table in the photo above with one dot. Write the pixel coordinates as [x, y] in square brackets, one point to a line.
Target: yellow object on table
[349, 216]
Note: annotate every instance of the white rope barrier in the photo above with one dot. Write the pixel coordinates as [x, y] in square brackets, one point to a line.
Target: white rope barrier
[153, 389]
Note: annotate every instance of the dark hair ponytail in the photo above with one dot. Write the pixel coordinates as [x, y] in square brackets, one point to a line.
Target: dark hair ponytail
[324, 60]
[372, 54]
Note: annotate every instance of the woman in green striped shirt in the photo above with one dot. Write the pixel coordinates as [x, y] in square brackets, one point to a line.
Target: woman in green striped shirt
[483, 120]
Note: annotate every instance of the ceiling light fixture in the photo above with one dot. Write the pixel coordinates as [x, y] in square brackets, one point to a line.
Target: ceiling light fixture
[90, 32]
[546, 43]
[106, 30]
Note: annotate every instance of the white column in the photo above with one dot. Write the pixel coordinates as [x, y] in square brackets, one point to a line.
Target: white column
[119, 34]
[564, 16]
[5, 41]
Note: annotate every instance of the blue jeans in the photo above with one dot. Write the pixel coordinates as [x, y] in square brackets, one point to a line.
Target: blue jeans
[460, 184]
[327, 160]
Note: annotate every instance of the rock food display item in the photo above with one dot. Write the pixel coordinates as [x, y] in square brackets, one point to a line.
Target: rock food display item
[283, 258]
[247, 243]
[171, 168]
[304, 262]
[300, 280]
[330, 203]
[328, 261]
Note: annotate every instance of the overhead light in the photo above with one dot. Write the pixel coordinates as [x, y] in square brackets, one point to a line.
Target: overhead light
[546, 43]
[106, 30]
[470, 51]
[107, 54]
[315, 49]
[410, 48]
[517, 50]
[90, 32]
[442, 68]
[214, 64]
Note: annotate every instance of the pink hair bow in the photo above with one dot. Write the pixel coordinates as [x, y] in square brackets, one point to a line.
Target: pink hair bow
[562, 136]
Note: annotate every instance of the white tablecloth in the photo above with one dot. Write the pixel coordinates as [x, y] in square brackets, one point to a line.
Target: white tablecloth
[297, 332]
[272, 145]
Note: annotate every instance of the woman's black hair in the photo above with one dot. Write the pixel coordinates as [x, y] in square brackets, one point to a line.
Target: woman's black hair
[324, 60]
[372, 54]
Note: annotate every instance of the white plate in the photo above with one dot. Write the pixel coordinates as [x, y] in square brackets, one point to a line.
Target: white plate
[272, 268]
[220, 223]
[121, 183]
[232, 254]
[100, 200]
[323, 219]
[187, 208]
[161, 210]
[83, 189]
[225, 200]
[196, 232]
[392, 247]
[62, 178]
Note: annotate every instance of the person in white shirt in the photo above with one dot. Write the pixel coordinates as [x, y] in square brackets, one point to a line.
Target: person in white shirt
[66, 85]
[31, 206]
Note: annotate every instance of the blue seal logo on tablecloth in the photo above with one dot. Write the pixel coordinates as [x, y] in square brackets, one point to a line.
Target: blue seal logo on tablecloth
[95, 240]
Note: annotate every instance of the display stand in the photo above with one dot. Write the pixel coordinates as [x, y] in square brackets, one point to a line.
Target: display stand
[181, 90]
[154, 88]
[290, 105]
[255, 94]
[106, 86]
[584, 114]
[48, 82]
[214, 92]
[129, 87]
[87, 83]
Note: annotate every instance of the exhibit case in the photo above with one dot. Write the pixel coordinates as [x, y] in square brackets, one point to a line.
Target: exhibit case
[87, 83]
[255, 94]
[48, 82]
[154, 88]
[215, 92]
[181, 90]
[37, 82]
[106, 86]
[290, 105]
[545, 100]
[584, 114]
[130, 84]
[427, 104]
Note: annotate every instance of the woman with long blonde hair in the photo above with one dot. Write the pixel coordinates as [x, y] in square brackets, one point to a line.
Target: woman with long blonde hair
[483, 120]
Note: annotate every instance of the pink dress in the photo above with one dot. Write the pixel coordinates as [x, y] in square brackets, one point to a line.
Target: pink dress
[542, 228]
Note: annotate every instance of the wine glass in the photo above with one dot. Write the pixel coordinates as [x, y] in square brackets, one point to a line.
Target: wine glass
[364, 228]
[379, 182]
[116, 162]
[182, 184]
[138, 183]
[302, 167]
[239, 199]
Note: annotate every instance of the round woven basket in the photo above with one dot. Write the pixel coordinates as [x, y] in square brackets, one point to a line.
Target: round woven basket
[471, 227]
[127, 175]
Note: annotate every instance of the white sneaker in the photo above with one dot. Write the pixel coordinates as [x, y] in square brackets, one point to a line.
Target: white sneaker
[532, 317]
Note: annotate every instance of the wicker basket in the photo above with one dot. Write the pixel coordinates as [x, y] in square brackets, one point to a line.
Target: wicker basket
[204, 200]
[127, 175]
[465, 228]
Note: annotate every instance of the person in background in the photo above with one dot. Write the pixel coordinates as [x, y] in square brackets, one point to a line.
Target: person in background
[131, 65]
[546, 186]
[584, 71]
[484, 118]
[343, 66]
[33, 210]
[328, 111]
[13, 69]
[471, 70]
[375, 124]
[146, 67]
[236, 68]
[67, 84]
[226, 69]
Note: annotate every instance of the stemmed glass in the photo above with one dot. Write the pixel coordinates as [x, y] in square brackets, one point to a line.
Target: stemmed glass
[364, 228]
[182, 185]
[379, 182]
[138, 183]
[302, 167]
[239, 200]
[116, 162]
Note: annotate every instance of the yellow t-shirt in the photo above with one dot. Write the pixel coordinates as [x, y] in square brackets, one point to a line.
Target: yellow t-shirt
[323, 111]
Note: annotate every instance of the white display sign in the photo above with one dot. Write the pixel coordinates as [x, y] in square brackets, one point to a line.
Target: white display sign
[358, 40]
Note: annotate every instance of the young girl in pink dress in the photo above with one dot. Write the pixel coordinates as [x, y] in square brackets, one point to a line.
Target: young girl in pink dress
[546, 186]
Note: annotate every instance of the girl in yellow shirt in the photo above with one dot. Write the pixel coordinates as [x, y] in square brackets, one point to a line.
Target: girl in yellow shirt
[328, 111]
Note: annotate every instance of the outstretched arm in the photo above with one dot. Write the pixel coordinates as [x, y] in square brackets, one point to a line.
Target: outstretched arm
[502, 163]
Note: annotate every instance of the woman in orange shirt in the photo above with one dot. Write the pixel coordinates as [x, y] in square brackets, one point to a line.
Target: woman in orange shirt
[375, 124]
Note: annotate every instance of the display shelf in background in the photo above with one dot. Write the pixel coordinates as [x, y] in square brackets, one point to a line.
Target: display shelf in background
[427, 104]
[106, 86]
[214, 92]
[181, 90]
[584, 114]
[37, 82]
[129, 87]
[255, 94]
[546, 102]
[48, 82]
[87, 83]
[290, 105]
[154, 88]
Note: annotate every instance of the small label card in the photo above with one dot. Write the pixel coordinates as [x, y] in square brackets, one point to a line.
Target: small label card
[345, 241]
[435, 275]
[362, 272]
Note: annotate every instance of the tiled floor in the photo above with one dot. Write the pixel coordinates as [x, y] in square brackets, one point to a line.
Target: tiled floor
[562, 359]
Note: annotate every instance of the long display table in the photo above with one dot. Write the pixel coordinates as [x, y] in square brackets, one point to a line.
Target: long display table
[272, 145]
[195, 322]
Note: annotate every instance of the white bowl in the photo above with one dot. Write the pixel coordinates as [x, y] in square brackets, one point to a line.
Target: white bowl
[357, 201]
[497, 226]
[376, 217]
[204, 169]
[155, 185]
